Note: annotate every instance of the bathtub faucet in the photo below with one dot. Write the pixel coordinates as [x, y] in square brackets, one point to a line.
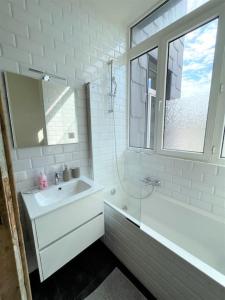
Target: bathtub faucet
[151, 181]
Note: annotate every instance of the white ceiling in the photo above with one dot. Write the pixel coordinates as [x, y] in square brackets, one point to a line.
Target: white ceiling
[122, 12]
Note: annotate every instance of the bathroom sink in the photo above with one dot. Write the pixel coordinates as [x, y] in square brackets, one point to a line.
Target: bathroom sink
[60, 192]
[65, 219]
[42, 202]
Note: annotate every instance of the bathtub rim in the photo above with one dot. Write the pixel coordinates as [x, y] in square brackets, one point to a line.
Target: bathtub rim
[197, 263]
[134, 220]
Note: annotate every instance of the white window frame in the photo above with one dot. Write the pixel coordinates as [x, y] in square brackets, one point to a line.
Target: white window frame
[216, 110]
[138, 149]
[218, 135]
[151, 94]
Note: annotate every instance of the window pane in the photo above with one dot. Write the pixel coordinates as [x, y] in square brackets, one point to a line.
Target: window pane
[166, 14]
[223, 147]
[142, 100]
[189, 72]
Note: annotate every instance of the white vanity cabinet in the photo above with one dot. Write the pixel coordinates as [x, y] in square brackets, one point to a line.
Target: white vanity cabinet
[64, 249]
[67, 229]
[59, 222]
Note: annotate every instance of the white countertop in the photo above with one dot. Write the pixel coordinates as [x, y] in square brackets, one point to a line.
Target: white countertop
[35, 210]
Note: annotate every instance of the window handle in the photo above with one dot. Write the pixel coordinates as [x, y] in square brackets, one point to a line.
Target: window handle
[213, 149]
[160, 105]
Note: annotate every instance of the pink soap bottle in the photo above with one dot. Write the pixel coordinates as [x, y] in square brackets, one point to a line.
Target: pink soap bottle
[42, 181]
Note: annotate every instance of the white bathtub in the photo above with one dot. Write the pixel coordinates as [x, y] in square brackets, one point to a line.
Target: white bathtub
[198, 238]
[130, 208]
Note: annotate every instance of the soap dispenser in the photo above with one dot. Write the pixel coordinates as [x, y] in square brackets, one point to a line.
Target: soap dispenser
[42, 181]
[66, 174]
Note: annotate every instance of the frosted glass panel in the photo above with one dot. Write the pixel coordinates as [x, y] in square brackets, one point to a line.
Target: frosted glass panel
[163, 16]
[189, 72]
[142, 99]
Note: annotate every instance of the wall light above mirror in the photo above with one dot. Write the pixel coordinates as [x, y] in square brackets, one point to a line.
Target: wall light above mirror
[41, 112]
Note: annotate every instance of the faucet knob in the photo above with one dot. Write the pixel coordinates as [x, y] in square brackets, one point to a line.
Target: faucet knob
[149, 181]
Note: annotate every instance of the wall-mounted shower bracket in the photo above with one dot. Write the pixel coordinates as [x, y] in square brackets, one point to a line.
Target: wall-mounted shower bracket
[113, 87]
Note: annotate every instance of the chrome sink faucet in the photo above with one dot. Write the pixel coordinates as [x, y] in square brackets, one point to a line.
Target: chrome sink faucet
[57, 178]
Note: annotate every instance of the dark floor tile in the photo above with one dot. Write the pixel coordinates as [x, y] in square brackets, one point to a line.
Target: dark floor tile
[81, 276]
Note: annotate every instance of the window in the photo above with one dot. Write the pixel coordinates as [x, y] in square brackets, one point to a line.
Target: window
[166, 14]
[142, 99]
[189, 72]
[176, 90]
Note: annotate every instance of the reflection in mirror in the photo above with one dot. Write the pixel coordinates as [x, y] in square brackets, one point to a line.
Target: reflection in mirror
[60, 117]
[41, 113]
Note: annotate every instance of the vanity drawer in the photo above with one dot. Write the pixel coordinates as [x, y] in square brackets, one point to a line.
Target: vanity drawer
[59, 253]
[56, 224]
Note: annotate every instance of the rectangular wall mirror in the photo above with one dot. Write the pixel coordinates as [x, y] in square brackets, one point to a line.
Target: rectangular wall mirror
[41, 112]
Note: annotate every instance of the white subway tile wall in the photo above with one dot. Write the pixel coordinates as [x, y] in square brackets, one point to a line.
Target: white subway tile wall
[103, 137]
[199, 184]
[68, 39]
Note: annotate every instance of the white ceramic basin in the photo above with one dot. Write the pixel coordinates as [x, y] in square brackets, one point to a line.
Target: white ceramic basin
[60, 192]
[39, 202]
